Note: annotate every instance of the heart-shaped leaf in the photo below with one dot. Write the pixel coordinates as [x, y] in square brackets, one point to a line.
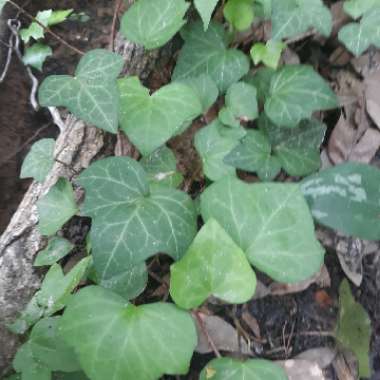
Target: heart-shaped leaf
[241, 99]
[205, 8]
[213, 265]
[152, 24]
[117, 340]
[151, 120]
[207, 53]
[132, 222]
[239, 13]
[296, 91]
[346, 198]
[356, 8]
[269, 53]
[232, 369]
[92, 94]
[270, 222]
[56, 249]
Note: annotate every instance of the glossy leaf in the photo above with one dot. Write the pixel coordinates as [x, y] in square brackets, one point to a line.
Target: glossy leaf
[270, 222]
[241, 99]
[148, 340]
[239, 13]
[269, 53]
[56, 249]
[356, 8]
[213, 265]
[205, 9]
[346, 198]
[36, 55]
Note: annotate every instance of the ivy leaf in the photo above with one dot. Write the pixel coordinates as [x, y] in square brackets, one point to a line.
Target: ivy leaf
[212, 146]
[270, 222]
[346, 198]
[239, 13]
[148, 340]
[359, 36]
[39, 161]
[233, 369]
[213, 265]
[151, 120]
[261, 80]
[131, 221]
[227, 118]
[356, 8]
[34, 30]
[354, 328]
[207, 53]
[36, 55]
[293, 17]
[161, 168]
[269, 53]
[241, 98]
[152, 24]
[296, 92]
[59, 16]
[56, 249]
[205, 9]
[56, 207]
[92, 94]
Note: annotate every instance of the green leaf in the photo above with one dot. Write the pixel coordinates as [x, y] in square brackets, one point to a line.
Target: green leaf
[212, 146]
[131, 221]
[263, 8]
[59, 16]
[261, 80]
[161, 168]
[152, 24]
[34, 30]
[239, 13]
[56, 249]
[354, 328]
[205, 9]
[233, 369]
[70, 376]
[121, 340]
[151, 120]
[241, 98]
[213, 265]
[207, 53]
[270, 222]
[296, 92]
[56, 207]
[269, 53]
[293, 17]
[39, 161]
[92, 94]
[227, 118]
[36, 55]
[356, 8]
[346, 198]
[359, 36]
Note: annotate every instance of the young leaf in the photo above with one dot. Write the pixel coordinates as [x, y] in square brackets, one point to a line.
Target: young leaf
[239, 13]
[131, 221]
[356, 8]
[233, 369]
[36, 55]
[34, 30]
[241, 99]
[120, 340]
[296, 91]
[207, 53]
[293, 17]
[213, 265]
[346, 198]
[152, 24]
[39, 161]
[270, 222]
[212, 146]
[92, 94]
[354, 328]
[56, 249]
[56, 207]
[205, 9]
[269, 53]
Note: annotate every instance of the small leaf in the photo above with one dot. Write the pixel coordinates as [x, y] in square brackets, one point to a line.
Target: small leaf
[354, 328]
[227, 118]
[36, 55]
[152, 24]
[269, 53]
[356, 8]
[34, 30]
[233, 369]
[56, 249]
[346, 198]
[92, 94]
[239, 13]
[39, 161]
[148, 340]
[205, 9]
[151, 120]
[59, 16]
[241, 98]
[271, 223]
[56, 207]
[296, 92]
[207, 53]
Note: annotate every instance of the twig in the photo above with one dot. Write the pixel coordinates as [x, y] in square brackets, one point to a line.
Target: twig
[114, 21]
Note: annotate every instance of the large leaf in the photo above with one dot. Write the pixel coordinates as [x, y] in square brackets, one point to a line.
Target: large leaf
[213, 265]
[117, 340]
[232, 369]
[56, 207]
[152, 24]
[205, 9]
[270, 222]
[151, 120]
[293, 17]
[207, 53]
[356, 8]
[346, 198]
[92, 94]
[56, 249]
[132, 222]
[296, 91]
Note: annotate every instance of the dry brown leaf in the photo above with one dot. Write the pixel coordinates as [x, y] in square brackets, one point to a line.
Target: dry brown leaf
[298, 369]
[365, 150]
[340, 17]
[251, 322]
[323, 356]
[372, 94]
[346, 367]
[367, 64]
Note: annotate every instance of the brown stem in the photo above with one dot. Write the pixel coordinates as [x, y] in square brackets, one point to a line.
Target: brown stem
[114, 21]
[45, 28]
